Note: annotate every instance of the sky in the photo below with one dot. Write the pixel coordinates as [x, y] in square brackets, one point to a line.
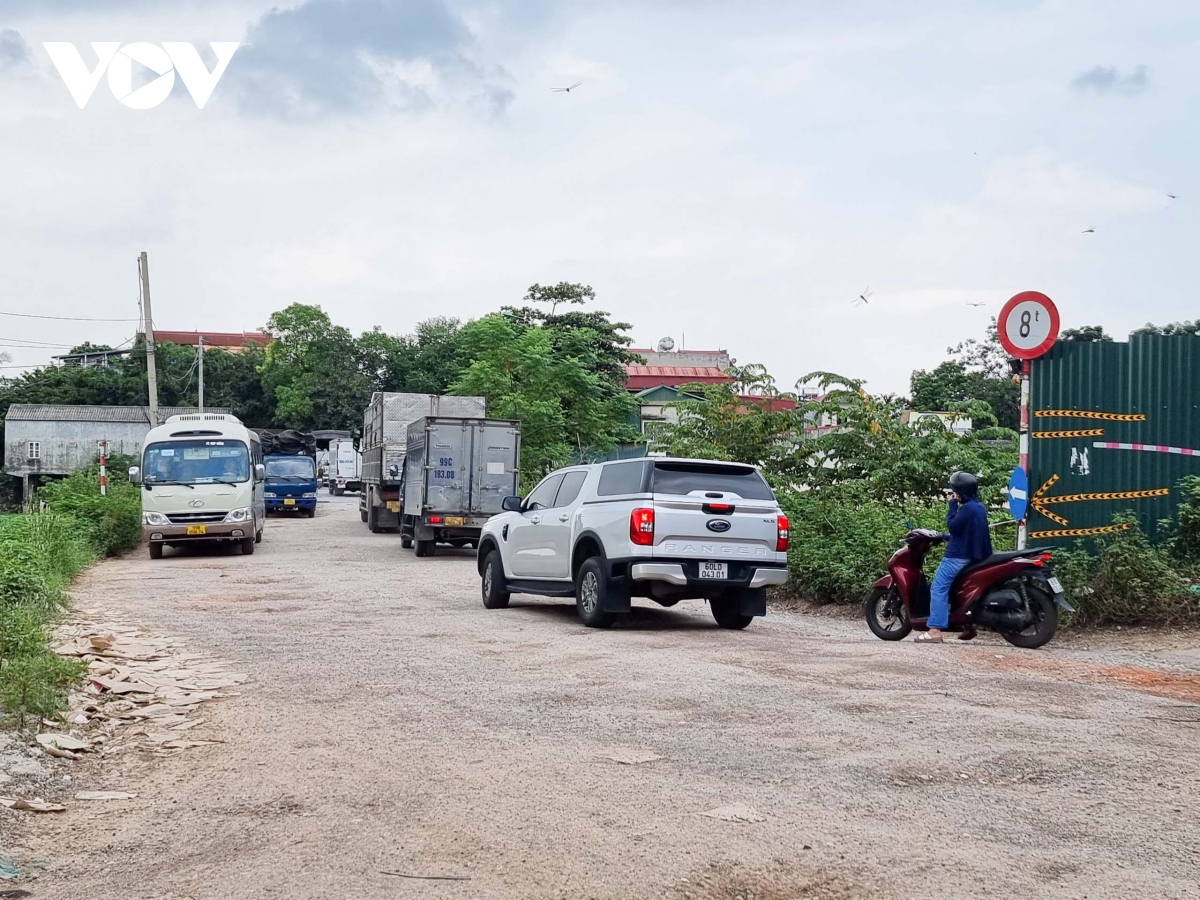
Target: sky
[730, 175]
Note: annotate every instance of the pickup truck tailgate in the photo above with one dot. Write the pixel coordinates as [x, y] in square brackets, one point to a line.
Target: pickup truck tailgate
[713, 511]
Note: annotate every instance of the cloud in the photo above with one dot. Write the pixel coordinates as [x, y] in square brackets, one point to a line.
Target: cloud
[1109, 80]
[349, 56]
[13, 49]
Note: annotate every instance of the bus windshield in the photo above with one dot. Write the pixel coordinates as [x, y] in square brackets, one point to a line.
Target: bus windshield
[197, 462]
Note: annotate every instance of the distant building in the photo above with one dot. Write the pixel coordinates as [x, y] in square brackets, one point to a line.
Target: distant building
[718, 359]
[91, 358]
[44, 441]
[951, 421]
[231, 342]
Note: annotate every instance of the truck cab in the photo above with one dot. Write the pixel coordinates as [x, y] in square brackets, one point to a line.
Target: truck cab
[291, 484]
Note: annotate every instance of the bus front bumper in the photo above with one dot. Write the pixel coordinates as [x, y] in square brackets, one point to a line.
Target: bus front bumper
[181, 534]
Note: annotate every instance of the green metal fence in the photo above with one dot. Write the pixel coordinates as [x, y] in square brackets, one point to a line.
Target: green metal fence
[1114, 427]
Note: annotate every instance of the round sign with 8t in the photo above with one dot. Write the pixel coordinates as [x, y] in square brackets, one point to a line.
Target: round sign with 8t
[1028, 325]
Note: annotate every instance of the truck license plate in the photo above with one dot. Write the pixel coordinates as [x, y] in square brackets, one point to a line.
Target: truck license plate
[455, 520]
[715, 570]
[393, 506]
[197, 529]
[1056, 585]
[289, 502]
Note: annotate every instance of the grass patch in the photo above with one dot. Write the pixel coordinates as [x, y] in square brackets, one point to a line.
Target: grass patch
[40, 554]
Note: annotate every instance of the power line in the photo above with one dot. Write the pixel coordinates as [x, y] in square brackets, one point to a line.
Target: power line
[64, 318]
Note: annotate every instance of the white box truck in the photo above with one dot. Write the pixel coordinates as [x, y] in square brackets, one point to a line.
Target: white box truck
[384, 437]
[344, 469]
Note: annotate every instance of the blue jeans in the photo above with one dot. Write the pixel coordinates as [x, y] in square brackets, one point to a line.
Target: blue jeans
[939, 592]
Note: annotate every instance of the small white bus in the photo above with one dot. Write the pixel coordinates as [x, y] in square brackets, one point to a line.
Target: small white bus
[202, 480]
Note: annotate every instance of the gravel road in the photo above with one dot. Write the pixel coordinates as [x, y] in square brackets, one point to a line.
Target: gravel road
[391, 724]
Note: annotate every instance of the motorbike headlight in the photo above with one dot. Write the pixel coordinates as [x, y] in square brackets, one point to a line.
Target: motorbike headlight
[309, 495]
[155, 518]
[239, 515]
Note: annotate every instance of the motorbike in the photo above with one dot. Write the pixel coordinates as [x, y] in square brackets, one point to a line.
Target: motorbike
[1014, 593]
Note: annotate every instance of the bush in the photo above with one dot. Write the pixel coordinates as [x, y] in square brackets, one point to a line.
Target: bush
[40, 554]
[1127, 580]
[1186, 542]
[841, 539]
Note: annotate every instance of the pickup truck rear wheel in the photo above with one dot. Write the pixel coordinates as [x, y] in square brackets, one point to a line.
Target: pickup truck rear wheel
[494, 594]
[728, 612]
[591, 592]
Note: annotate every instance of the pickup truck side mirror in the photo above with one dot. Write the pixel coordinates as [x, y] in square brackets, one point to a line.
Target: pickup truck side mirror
[135, 475]
[260, 472]
[511, 504]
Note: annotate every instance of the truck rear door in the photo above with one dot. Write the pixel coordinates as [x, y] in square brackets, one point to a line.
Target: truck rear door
[447, 467]
[713, 511]
[495, 466]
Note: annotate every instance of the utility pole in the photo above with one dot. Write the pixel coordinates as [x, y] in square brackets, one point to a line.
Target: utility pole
[151, 371]
[200, 363]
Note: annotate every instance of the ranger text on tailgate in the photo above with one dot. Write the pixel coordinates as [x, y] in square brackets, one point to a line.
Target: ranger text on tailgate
[666, 529]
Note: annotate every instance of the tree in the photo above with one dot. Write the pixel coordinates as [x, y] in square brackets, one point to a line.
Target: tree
[1086, 334]
[717, 421]
[895, 462]
[979, 373]
[312, 371]
[555, 391]
[1185, 327]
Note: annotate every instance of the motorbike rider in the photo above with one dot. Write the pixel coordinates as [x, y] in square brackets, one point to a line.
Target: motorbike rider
[969, 541]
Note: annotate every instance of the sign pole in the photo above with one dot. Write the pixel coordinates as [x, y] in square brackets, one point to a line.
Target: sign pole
[1023, 527]
[103, 468]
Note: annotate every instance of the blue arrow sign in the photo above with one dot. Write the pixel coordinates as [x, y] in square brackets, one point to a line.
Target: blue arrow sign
[1018, 494]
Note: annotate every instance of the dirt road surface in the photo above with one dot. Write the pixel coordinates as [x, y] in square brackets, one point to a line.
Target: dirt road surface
[391, 724]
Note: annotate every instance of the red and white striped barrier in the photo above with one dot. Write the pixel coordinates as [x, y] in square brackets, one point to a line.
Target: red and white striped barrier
[103, 468]
[1149, 448]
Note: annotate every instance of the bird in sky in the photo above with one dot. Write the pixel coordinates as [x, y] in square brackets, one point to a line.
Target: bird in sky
[1172, 196]
[975, 304]
[566, 89]
[862, 298]
[1088, 231]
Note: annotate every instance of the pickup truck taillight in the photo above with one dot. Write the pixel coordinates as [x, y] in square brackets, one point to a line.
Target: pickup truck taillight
[641, 527]
[781, 540]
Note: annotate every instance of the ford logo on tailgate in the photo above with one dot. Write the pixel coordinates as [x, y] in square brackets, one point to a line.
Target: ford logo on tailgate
[720, 526]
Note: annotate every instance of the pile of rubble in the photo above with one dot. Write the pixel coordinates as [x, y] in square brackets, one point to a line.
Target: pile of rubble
[141, 693]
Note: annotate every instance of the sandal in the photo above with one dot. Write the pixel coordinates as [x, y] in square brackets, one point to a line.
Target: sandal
[926, 638]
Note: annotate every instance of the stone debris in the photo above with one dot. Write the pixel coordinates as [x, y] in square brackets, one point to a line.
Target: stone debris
[735, 812]
[141, 689]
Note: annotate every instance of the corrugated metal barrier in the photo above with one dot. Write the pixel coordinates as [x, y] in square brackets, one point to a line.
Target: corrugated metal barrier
[1114, 427]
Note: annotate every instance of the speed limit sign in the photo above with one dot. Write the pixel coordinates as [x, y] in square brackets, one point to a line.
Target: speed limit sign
[1028, 325]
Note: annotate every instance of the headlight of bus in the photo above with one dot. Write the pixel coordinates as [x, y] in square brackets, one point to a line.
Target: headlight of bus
[239, 515]
[155, 518]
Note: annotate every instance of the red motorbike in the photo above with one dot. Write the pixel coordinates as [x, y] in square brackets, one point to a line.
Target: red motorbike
[1014, 593]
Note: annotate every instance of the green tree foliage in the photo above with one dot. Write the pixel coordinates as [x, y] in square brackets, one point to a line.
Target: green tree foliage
[1086, 334]
[978, 371]
[549, 380]
[717, 421]
[312, 371]
[1185, 327]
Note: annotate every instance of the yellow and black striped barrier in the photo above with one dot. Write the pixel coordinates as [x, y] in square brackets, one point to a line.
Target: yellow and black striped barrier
[1081, 433]
[1088, 414]
[1079, 532]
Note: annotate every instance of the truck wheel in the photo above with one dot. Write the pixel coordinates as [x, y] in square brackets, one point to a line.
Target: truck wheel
[312, 513]
[156, 550]
[362, 514]
[337, 492]
[373, 517]
[728, 612]
[426, 548]
[494, 594]
[406, 541]
[247, 546]
[591, 591]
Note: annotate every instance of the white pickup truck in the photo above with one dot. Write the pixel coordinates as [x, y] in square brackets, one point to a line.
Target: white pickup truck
[666, 529]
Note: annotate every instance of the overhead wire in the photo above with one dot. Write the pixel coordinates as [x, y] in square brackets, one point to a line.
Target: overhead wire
[63, 318]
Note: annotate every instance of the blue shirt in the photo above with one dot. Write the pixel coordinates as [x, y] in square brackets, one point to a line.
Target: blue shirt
[969, 535]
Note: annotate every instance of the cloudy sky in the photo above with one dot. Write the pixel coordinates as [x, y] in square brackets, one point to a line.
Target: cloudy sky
[732, 175]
